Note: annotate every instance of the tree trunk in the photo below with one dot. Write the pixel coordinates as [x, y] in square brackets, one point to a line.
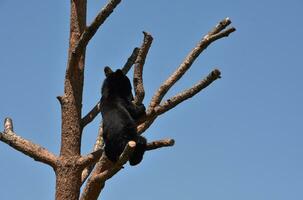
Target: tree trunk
[68, 173]
[68, 183]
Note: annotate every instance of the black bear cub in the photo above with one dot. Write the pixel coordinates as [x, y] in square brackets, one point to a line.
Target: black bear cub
[119, 117]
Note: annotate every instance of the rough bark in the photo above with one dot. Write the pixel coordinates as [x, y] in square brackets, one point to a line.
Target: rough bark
[68, 173]
[138, 71]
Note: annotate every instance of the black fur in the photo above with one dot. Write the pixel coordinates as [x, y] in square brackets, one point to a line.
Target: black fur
[119, 118]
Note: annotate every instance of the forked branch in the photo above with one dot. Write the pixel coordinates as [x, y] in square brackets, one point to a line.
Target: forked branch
[26, 147]
[212, 36]
[155, 108]
[90, 31]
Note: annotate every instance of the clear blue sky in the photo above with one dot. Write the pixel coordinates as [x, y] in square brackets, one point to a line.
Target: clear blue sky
[239, 139]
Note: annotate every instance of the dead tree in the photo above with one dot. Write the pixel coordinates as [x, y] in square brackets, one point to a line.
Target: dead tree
[71, 168]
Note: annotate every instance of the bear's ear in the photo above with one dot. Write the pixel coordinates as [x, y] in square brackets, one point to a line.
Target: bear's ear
[107, 71]
[119, 72]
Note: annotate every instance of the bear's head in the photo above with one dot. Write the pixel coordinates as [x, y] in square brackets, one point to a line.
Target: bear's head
[116, 84]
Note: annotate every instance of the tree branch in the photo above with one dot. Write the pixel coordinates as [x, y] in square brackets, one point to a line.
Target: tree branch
[96, 181]
[222, 34]
[175, 100]
[26, 147]
[219, 27]
[146, 123]
[90, 31]
[98, 145]
[159, 144]
[191, 57]
[155, 108]
[131, 60]
[128, 150]
[188, 93]
[91, 115]
[138, 71]
[90, 159]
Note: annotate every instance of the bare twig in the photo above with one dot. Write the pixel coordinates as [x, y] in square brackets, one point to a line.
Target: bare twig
[91, 115]
[222, 34]
[191, 57]
[138, 71]
[28, 148]
[219, 27]
[130, 61]
[159, 144]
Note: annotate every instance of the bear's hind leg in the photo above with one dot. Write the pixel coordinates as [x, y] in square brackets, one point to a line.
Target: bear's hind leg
[138, 153]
